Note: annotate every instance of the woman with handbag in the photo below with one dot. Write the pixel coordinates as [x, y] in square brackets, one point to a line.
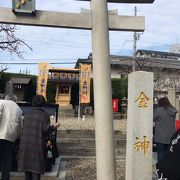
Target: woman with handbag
[31, 159]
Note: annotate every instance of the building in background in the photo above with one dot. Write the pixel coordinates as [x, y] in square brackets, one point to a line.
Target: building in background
[63, 79]
[21, 87]
[164, 65]
[175, 48]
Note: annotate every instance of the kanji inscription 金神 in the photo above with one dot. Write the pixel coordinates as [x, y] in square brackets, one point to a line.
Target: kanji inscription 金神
[142, 145]
[142, 100]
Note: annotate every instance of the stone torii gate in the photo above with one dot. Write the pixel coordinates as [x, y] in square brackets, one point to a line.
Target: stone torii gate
[100, 22]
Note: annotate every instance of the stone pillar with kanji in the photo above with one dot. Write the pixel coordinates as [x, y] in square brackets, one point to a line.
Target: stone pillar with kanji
[139, 126]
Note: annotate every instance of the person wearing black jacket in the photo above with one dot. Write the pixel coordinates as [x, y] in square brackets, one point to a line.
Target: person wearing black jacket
[169, 166]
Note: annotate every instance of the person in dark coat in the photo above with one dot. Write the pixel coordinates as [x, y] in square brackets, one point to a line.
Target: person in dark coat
[169, 166]
[164, 118]
[31, 158]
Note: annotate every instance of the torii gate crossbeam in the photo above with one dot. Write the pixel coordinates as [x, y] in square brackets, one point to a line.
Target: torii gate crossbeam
[71, 20]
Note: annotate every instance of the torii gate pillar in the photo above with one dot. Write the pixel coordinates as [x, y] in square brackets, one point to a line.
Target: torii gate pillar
[105, 155]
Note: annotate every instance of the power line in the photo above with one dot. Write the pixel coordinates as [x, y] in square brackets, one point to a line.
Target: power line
[42, 59]
[17, 63]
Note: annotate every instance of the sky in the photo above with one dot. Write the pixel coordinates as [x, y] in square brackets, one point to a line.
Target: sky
[65, 46]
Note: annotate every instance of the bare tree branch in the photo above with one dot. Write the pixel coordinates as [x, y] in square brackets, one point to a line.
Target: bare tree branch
[3, 68]
[9, 42]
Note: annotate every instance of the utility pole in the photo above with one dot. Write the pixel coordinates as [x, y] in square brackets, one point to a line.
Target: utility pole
[134, 42]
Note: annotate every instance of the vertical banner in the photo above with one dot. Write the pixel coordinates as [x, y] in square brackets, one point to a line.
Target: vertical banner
[85, 83]
[43, 69]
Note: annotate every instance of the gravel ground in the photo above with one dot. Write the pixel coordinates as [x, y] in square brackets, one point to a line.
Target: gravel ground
[86, 169]
[87, 124]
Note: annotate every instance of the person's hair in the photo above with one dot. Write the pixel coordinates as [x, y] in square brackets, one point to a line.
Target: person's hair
[164, 102]
[38, 101]
[11, 97]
